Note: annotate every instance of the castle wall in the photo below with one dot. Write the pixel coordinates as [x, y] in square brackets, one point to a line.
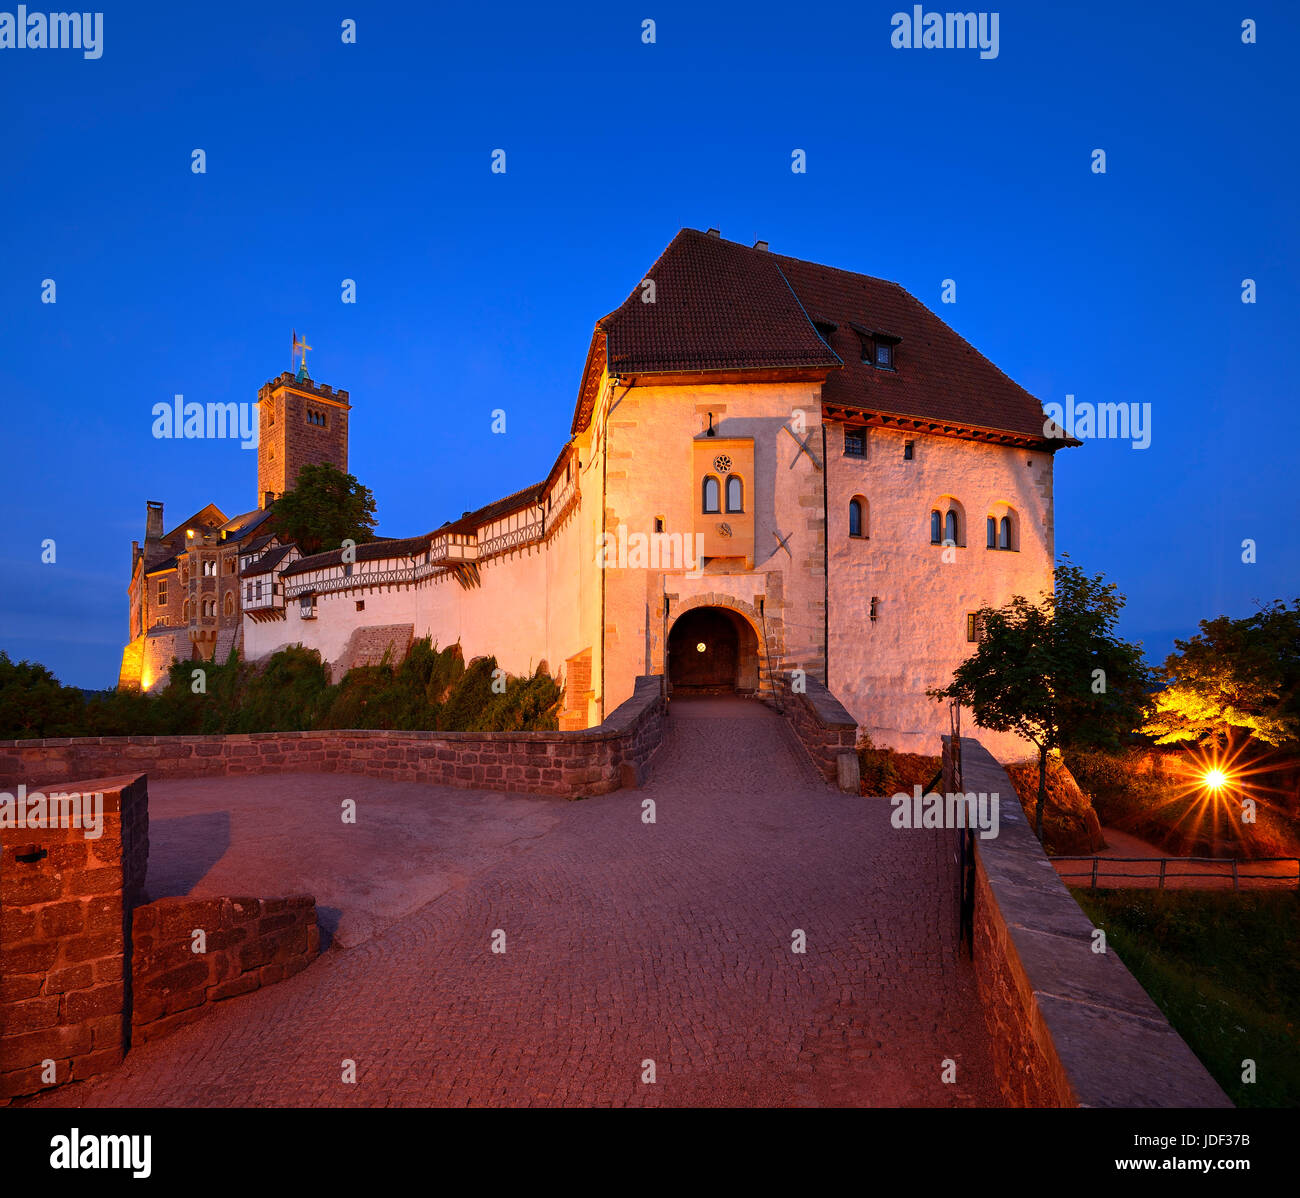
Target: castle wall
[652, 473]
[880, 670]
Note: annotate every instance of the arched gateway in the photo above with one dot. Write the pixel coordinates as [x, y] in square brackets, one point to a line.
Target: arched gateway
[712, 650]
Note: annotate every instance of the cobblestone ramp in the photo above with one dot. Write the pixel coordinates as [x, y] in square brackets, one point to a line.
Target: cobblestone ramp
[629, 942]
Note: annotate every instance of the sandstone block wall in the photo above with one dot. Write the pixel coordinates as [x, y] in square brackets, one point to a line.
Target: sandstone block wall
[821, 723]
[65, 917]
[1070, 1027]
[567, 764]
[248, 943]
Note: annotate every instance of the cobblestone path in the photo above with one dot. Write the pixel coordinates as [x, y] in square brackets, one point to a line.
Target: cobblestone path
[626, 942]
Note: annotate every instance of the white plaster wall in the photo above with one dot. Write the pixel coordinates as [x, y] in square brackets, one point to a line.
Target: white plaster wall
[651, 473]
[881, 670]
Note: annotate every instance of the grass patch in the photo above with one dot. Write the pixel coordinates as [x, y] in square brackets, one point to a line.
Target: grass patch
[1225, 970]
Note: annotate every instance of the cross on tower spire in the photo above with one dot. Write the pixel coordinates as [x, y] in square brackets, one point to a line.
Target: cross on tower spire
[300, 346]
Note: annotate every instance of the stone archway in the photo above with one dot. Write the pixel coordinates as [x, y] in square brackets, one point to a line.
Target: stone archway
[712, 650]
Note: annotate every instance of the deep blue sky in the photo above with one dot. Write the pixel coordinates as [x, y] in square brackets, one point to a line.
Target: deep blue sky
[476, 291]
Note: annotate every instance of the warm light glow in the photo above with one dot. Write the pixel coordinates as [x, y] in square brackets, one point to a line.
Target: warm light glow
[189, 532]
[1216, 779]
[700, 647]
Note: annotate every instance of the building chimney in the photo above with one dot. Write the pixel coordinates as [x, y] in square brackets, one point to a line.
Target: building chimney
[153, 521]
[760, 245]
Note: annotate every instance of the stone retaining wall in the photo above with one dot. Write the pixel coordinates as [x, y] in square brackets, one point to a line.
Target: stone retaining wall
[65, 916]
[1070, 1027]
[568, 764]
[247, 943]
[824, 727]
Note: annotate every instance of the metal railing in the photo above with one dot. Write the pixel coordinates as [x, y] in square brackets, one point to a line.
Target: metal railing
[1238, 872]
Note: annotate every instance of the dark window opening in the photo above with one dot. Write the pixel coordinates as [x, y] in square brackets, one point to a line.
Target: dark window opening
[711, 495]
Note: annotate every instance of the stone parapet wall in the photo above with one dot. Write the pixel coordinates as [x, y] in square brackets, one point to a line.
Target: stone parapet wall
[822, 724]
[65, 915]
[247, 943]
[567, 764]
[1070, 1026]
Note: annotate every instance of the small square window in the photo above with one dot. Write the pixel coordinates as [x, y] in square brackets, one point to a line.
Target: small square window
[855, 443]
[361, 605]
[909, 451]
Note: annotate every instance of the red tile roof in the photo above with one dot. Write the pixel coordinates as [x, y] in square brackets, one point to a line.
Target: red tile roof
[722, 306]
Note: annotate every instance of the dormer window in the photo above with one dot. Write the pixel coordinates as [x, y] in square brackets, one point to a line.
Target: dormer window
[877, 346]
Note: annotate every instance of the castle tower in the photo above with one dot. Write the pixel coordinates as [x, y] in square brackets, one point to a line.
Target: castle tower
[300, 423]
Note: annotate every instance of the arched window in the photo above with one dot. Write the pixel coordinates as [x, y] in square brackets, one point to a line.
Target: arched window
[858, 522]
[735, 494]
[950, 527]
[711, 494]
[936, 527]
[1004, 527]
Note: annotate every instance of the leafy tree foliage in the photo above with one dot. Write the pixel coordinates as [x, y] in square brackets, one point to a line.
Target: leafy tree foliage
[1055, 672]
[33, 703]
[325, 508]
[1241, 675]
[431, 690]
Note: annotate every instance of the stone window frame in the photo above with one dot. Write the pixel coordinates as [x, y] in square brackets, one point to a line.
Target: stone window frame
[726, 493]
[948, 507]
[716, 509]
[864, 515]
[1002, 529]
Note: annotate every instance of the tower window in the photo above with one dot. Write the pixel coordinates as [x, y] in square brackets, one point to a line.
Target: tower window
[936, 527]
[659, 524]
[909, 450]
[316, 418]
[974, 627]
[735, 494]
[855, 442]
[162, 594]
[711, 495]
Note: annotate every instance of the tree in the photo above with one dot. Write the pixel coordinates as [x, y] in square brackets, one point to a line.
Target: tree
[1239, 675]
[325, 508]
[33, 703]
[1054, 672]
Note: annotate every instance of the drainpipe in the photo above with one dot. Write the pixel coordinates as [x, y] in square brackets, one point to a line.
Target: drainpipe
[826, 567]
